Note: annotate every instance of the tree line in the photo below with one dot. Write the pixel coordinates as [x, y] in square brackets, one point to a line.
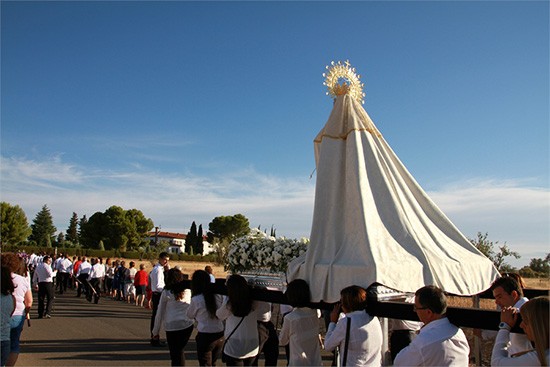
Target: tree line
[127, 230]
[114, 229]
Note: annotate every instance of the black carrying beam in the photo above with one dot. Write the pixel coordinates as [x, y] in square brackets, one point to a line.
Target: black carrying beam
[463, 317]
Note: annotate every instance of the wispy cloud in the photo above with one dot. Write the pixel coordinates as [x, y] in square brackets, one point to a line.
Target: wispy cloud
[510, 211]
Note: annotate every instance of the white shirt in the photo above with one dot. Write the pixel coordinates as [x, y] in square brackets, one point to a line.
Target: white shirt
[43, 273]
[22, 286]
[365, 339]
[519, 342]
[438, 343]
[205, 323]
[84, 268]
[500, 357]
[98, 271]
[172, 313]
[157, 278]
[64, 265]
[244, 342]
[57, 262]
[301, 331]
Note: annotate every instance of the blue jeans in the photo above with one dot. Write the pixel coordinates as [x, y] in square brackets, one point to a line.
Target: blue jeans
[17, 323]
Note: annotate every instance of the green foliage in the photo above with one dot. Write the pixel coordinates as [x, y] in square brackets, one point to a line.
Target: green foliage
[541, 267]
[190, 239]
[486, 247]
[101, 245]
[119, 229]
[199, 246]
[223, 230]
[14, 226]
[43, 228]
[72, 230]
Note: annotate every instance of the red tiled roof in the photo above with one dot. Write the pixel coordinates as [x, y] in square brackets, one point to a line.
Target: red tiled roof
[169, 235]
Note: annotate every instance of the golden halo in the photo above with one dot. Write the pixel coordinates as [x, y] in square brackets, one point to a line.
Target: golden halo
[342, 79]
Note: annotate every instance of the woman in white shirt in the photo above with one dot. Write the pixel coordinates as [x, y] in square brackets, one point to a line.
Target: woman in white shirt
[535, 324]
[172, 315]
[203, 308]
[364, 344]
[241, 329]
[23, 301]
[301, 327]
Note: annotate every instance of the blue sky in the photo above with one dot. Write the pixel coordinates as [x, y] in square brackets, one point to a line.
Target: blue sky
[191, 110]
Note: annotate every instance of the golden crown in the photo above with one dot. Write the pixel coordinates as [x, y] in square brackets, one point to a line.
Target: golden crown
[342, 79]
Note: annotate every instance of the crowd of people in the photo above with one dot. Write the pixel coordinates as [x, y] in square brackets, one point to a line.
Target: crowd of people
[238, 329]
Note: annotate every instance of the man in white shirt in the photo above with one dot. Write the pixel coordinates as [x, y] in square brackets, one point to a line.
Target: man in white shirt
[156, 278]
[439, 343]
[508, 293]
[96, 275]
[82, 275]
[63, 270]
[43, 280]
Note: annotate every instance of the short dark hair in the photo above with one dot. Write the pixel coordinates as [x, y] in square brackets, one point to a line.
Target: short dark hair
[354, 298]
[298, 293]
[509, 284]
[164, 255]
[432, 298]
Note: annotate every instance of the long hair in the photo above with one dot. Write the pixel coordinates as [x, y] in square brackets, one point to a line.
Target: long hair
[7, 281]
[535, 313]
[200, 284]
[238, 292]
[174, 276]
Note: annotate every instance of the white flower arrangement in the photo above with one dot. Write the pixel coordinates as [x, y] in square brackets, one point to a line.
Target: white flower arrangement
[258, 251]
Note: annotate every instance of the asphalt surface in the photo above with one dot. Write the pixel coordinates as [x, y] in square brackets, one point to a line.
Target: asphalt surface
[110, 333]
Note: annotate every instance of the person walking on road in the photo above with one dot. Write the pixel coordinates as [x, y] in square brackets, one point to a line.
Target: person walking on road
[43, 280]
[82, 276]
[157, 286]
[96, 279]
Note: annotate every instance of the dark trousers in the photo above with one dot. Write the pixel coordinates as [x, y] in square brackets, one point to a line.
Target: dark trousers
[177, 340]
[209, 347]
[82, 285]
[230, 361]
[400, 339]
[269, 344]
[45, 293]
[95, 284]
[63, 281]
[155, 298]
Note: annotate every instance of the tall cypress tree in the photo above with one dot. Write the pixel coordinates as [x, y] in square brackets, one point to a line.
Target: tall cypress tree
[191, 239]
[199, 244]
[43, 228]
[72, 231]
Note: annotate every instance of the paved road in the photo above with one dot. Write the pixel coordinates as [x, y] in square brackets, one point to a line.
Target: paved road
[111, 333]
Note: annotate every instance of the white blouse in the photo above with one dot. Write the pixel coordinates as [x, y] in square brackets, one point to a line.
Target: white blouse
[301, 330]
[244, 342]
[205, 323]
[365, 339]
[172, 312]
[499, 357]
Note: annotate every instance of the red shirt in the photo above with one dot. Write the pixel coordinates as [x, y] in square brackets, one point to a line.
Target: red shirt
[76, 266]
[140, 278]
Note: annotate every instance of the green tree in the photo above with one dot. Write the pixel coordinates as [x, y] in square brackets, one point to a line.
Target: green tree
[60, 240]
[541, 266]
[82, 223]
[14, 225]
[191, 239]
[223, 230]
[42, 228]
[199, 245]
[486, 247]
[72, 231]
[119, 229]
